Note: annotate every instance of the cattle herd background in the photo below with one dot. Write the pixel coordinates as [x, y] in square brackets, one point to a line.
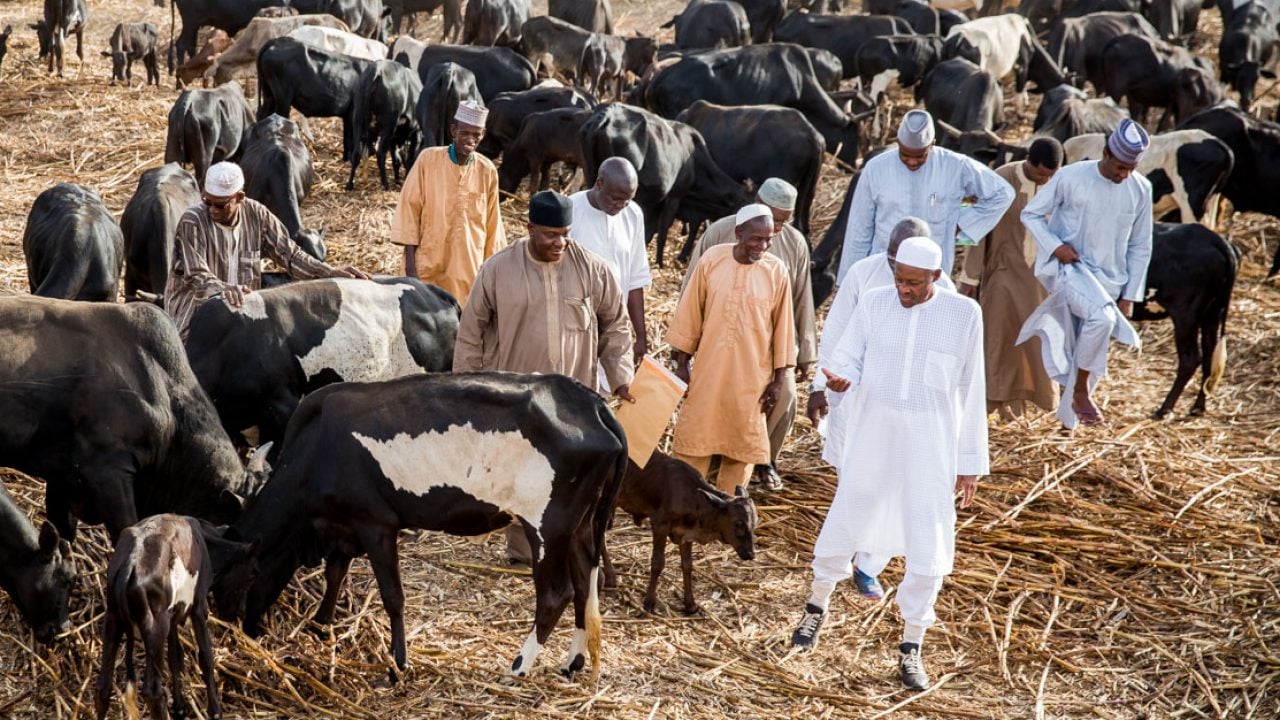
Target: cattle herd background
[1122, 573]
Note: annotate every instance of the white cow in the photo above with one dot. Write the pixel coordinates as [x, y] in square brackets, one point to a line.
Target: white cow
[410, 47]
[239, 61]
[337, 42]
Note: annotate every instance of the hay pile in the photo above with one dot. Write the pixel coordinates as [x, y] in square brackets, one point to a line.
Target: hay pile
[1129, 571]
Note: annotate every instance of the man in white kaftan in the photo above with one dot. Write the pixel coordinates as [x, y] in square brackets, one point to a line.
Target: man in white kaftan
[921, 180]
[911, 368]
[1092, 225]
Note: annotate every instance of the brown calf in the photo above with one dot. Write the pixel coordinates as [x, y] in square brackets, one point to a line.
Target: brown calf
[686, 509]
[160, 574]
[195, 66]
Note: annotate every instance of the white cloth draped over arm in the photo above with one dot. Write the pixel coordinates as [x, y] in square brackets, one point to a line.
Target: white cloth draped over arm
[994, 196]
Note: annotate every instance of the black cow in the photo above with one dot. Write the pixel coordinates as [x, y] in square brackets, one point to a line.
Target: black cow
[948, 19]
[591, 15]
[827, 69]
[763, 16]
[61, 18]
[601, 64]
[36, 570]
[677, 173]
[365, 18]
[446, 85]
[494, 22]
[148, 225]
[1151, 73]
[111, 417]
[1248, 46]
[544, 139]
[759, 142]
[1175, 18]
[904, 58]
[72, 245]
[231, 17]
[922, 17]
[963, 95]
[824, 261]
[277, 169]
[496, 70]
[711, 24]
[1076, 44]
[364, 460]
[256, 366]
[129, 42]
[1255, 144]
[775, 73]
[292, 74]
[1043, 14]
[842, 35]
[399, 9]
[385, 119]
[1068, 111]
[1191, 276]
[208, 126]
[507, 110]
[984, 146]
[545, 36]
[4, 41]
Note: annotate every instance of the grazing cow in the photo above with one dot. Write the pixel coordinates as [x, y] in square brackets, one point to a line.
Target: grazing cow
[111, 416]
[762, 17]
[365, 18]
[1255, 144]
[399, 9]
[61, 18]
[711, 24]
[447, 85]
[602, 64]
[197, 64]
[496, 69]
[384, 118]
[1067, 111]
[685, 509]
[1044, 14]
[762, 141]
[208, 126]
[159, 576]
[363, 461]
[1004, 45]
[561, 41]
[827, 69]
[340, 42]
[963, 95]
[4, 41]
[1247, 50]
[241, 59]
[984, 146]
[230, 17]
[1189, 168]
[902, 58]
[1174, 19]
[148, 225]
[36, 570]
[72, 245]
[292, 74]
[1192, 274]
[922, 16]
[842, 35]
[407, 51]
[507, 110]
[494, 22]
[258, 361]
[774, 73]
[590, 15]
[129, 42]
[1151, 73]
[544, 139]
[277, 169]
[677, 173]
[1076, 44]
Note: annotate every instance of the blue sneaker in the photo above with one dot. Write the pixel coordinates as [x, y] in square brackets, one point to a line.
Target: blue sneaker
[868, 586]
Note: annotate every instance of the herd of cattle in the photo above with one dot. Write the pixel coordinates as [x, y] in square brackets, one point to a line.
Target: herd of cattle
[346, 380]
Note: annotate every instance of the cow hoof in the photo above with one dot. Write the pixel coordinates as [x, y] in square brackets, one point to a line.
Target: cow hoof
[574, 667]
[320, 629]
[1197, 411]
[650, 605]
[1160, 414]
[691, 610]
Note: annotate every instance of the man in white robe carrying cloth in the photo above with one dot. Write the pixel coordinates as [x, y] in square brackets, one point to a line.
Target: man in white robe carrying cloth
[925, 181]
[1092, 226]
[910, 366]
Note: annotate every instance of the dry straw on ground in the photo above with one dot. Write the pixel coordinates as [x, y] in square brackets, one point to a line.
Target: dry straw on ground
[1125, 572]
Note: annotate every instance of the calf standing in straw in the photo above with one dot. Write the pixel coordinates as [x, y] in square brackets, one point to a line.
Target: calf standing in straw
[1092, 223]
[910, 366]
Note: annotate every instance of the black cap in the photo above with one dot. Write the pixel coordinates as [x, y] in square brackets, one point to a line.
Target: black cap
[550, 209]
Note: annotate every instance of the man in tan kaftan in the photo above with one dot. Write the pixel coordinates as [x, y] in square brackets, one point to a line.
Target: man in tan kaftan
[736, 321]
[789, 246]
[448, 220]
[999, 274]
[545, 305]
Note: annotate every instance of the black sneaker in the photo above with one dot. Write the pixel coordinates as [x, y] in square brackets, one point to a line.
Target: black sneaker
[911, 667]
[806, 635]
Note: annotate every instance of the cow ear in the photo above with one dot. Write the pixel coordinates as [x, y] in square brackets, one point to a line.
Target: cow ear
[34, 26]
[1268, 74]
[715, 498]
[48, 539]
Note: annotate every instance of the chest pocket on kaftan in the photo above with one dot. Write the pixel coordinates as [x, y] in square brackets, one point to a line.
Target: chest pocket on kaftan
[249, 269]
[941, 371]
[471, 210]
[577, 315]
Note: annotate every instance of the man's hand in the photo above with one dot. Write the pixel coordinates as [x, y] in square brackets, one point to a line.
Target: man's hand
[968, 290]
[681, 360]
[835, 383]
[817, 407]
[638, 352]
[770, 395]
[1066, 254]
[351, 271]
[803, 370]
[233, 295]
[967, 487]
[624, 392]
[1126, 308]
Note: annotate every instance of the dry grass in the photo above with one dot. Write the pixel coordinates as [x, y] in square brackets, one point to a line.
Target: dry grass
[1125, 572]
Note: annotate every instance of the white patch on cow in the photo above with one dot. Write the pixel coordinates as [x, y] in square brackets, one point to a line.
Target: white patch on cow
[182, 584]
[578, 646]
[881, 82]
[338, 42]
[997, 38]
[253, 307]
[528, 655]
[367, 342]
[1161, 155]
[501, 468]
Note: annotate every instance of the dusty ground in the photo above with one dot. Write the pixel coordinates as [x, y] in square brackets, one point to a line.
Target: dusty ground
[1125, 572]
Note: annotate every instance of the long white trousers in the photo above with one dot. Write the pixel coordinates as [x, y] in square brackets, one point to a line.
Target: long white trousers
[916, 594]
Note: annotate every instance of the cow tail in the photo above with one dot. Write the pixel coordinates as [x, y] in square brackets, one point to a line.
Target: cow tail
[361, 107]
[808, 190]
[174, 146]
[604, 511]
[1218, 364]
[173, 38]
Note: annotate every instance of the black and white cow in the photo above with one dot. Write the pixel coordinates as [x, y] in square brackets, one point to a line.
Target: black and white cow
[61, 18]
[36, 570]
[72, 245]
[463, 454]
[277, 169]
[1187, 170]
[148, 225]
[258, 361]
[385, 118]
[208, 126]
[904, 59]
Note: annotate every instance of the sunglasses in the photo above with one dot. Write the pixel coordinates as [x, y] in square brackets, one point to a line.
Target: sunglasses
[216, 204]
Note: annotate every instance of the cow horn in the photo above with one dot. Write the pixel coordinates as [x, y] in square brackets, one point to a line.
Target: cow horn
[993, 137]
[946, 127]
[258, 460]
